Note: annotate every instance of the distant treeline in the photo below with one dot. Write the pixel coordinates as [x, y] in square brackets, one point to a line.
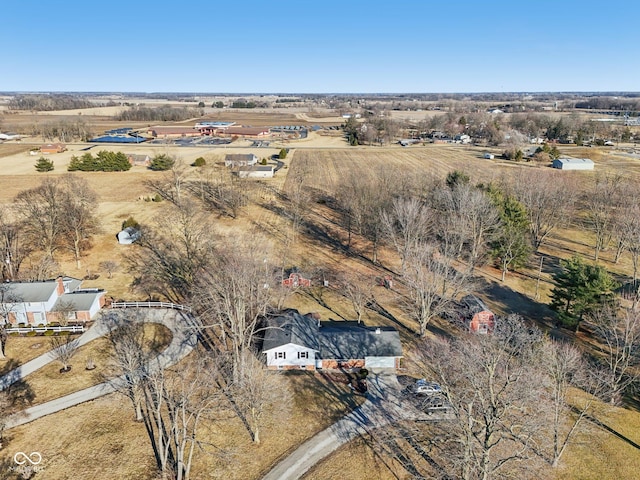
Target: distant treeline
[610, 103]
[103, 162]
[164, 114]
[63, 130]
[47, 103]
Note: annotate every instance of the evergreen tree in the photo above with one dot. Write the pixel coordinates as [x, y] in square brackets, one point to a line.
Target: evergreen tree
[44, 165]
[283, 154]
[580, 289]
[511, 248]
[161, 162]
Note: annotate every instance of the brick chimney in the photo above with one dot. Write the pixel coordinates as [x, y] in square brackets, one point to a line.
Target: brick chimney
[60, 286]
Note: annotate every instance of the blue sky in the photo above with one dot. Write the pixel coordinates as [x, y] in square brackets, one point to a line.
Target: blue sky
[320, 47]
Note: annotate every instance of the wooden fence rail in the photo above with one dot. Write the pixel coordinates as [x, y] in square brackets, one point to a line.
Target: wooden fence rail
[44, 328]
[175, 306]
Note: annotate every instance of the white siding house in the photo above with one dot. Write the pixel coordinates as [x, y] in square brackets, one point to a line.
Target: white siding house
[294, 341]
[240, 160]
[291, 355]
[256, 171]
[40, 302]
[573, 164]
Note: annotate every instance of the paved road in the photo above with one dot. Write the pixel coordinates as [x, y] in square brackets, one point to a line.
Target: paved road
[383, 406]
[183, 341]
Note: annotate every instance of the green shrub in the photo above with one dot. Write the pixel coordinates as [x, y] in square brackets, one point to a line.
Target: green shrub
[53, 324]
[32, 333]
[65, 332]
[199, 162]
[49, 333]
[130, 222]
[162, 162]
[44, 165]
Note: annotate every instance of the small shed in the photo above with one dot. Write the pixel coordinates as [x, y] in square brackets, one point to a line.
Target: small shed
[476, 315]
[573, 164]
[489, 156]
[296, 280]
[128, 236]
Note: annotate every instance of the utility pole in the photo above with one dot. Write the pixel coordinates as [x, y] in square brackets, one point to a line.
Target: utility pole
[537, 295]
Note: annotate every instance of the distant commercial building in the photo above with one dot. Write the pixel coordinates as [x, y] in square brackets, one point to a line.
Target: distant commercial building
[573, 164]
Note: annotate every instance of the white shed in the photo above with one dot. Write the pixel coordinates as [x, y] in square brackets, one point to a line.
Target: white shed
[128, 236]
[573, 164]
[489, 156]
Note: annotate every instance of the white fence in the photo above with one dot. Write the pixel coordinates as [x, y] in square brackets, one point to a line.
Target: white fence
[175, 306]
[44, 328]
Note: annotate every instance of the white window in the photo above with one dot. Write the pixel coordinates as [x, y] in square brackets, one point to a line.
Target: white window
[303, 354]
[281, 355]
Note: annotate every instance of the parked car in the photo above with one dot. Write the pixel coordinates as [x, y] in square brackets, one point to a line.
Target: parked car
[423, 387]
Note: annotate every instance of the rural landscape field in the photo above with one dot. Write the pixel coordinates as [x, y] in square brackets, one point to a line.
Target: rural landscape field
[396, 218]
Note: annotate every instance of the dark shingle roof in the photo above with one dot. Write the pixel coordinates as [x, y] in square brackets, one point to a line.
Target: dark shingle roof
[291, 328]
[350, 340]
[333, 340]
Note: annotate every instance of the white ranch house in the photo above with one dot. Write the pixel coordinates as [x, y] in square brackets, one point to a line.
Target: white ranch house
[294, 341]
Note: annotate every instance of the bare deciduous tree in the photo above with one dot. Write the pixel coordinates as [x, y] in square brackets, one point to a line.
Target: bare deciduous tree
[600, 204]
[359, 291]
[175, 402]
[493, 385]
[130, 358]
[619, 334]
[258, 392]
[407, 222]
[169, 258]
[433, 283]
[231, 295]
[109, 266]
[566, 369]
[63, 348]
[9, 301]
[13, 246]
[40, 209]
[548, 199]
[78, 216]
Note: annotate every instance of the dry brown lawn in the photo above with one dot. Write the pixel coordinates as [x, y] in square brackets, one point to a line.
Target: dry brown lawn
[49, 383]
[100, 440]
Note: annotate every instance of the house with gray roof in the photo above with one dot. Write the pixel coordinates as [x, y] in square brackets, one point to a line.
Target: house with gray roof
[43, 302]
[240, 160]
[295, 341]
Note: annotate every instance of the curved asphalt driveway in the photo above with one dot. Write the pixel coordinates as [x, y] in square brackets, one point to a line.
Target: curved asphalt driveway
[183, 341]
[383, 406]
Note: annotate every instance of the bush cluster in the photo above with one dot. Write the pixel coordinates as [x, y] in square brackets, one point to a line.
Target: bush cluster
[103, 162]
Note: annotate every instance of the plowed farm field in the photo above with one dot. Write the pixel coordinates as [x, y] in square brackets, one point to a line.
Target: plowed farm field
[323, 169]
